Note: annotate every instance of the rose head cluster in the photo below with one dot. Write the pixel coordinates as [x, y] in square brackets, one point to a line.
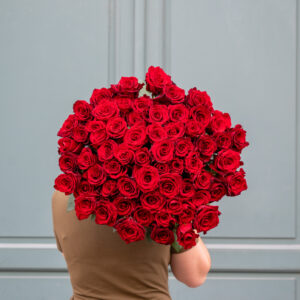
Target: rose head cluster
[147, 157]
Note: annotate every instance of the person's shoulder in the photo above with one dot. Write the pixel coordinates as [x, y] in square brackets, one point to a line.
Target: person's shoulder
[59, 196]
[59, 202]
[57, 193]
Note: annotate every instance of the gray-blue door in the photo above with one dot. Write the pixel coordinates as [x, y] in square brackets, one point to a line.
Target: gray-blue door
[242, 52]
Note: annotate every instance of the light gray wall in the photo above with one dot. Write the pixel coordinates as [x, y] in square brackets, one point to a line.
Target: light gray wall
[242, 52]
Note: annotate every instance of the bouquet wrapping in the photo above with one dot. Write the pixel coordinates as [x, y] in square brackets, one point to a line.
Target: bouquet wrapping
[150, 160]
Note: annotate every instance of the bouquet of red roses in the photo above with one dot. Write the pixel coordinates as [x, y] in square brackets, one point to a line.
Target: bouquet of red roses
[148, 160]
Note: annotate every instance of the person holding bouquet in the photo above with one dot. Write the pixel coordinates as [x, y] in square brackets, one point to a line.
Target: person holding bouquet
[102, 266]
[145, 161]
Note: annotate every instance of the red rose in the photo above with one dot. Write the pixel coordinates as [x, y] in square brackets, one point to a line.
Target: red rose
[207, 146]
[201, 197]
[127, 86]
[116, 127]
[186, 236]
[226, 161]
[162, 235]
[174, 94]
[106, 150]
[106, 213]
[86, 158]
[223, 139]
[109, 188]
[176, 166]
[95, 175]
[162, 151]
[130, 230]
[68, 162]
[183, 146]
[196, 97]
[124, 104]
[135, 137]
[186, 189]
[128, 187]
[124, 206]
[114, 169]
[158, 114]
[142, 104]
[97, 137]
[100, 95]
[123, 154]
[169, 184]
[236, 183]
[206, 218]
[238, 135]
[162, 167]
[66, 183]
[174, 206]
[97, 131]
[134, 118]
[95, 125]
[85, 205]
[187, 214]
[83, 187]
[68, 145]
[194, 128]
[80, 134]
[202, 180]
[156, 79]
[105, 110]
[142, 156]
[147, 178]
[156, 132]
[152, 201]
[175, 130]
[217, 190]
[82, 110]
[201, 114]
[164, 218]
[219, 121]
[193, 164]
[178, 112]
[67, 128]
[143, 216]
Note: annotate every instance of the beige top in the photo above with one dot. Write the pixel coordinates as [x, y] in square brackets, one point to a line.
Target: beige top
[102, 266]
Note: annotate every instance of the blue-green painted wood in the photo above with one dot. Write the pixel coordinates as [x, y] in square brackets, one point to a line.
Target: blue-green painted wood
[237, 286]
[48, 286]
[266, 259]
[52, 53]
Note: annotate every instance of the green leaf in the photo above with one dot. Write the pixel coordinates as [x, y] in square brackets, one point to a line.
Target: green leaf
[71, 203]
[178, 248]
[93, 217]
[148, 232]
[114, 229]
